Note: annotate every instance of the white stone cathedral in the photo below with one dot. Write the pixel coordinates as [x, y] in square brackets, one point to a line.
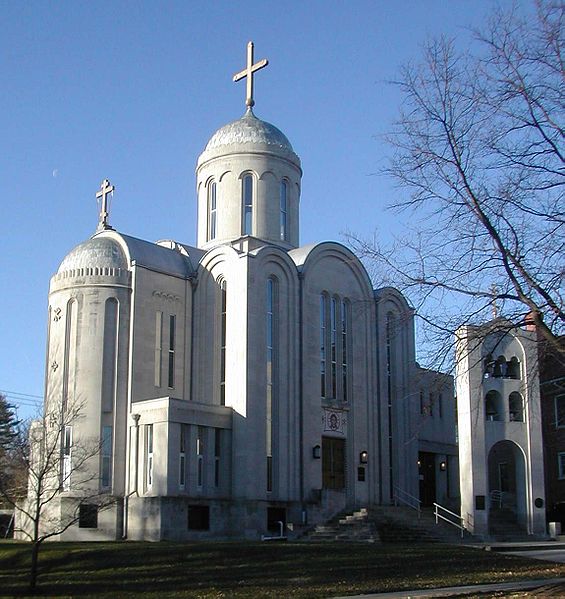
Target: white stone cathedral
[244, 382]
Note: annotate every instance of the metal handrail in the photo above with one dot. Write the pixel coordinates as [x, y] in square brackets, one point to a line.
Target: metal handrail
[460, 525]
[401, 496]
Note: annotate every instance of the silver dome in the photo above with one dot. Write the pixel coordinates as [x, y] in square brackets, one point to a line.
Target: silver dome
[249, 130]
[98, 252]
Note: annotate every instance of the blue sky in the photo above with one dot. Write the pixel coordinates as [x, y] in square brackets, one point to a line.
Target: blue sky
[132, 91]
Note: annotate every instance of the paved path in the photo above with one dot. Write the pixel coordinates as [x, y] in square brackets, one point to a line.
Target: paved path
[465, 590]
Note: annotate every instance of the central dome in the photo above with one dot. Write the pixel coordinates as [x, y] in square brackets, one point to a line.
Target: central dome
[248, 131]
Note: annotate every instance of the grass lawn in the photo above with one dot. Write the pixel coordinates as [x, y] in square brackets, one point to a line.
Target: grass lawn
[238, 569]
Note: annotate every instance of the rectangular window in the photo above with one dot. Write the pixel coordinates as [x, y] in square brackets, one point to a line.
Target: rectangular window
[182, 457]
[270, 325]
[200, 457]
[333, 349]
[106, 456]
[198, 517]
[431, 404]
[158, 347]
[559, 411]
[149, 455]
[87, 515]
[440, 404]
[323, 345]
[344, 381]
[172, 326]
[422, 404]
[217, 454]
[223, 339]
[67, 458]
[561, 465]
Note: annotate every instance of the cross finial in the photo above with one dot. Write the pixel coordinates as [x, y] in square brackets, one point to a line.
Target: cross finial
[248, 72]
[106, 188]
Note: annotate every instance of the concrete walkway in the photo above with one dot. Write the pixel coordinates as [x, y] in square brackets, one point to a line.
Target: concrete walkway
[509, 587]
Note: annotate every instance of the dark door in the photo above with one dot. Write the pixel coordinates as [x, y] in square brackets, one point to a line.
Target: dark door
[427, 471]
[333, 463]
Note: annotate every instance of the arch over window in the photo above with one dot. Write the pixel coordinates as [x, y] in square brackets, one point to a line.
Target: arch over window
[493, 407]
[284, 210]
[516, 407]
[247, 202]
[212, 210]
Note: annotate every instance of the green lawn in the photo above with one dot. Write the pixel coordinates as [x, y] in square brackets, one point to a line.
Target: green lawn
[207, 570]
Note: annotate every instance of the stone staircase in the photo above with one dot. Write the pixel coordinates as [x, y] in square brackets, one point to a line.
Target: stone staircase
[355, 527]
[387, 524]
[503, 526]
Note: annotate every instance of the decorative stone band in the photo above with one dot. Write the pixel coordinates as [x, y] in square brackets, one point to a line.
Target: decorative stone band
[91, 276]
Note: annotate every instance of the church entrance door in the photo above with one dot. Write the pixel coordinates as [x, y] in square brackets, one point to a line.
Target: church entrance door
[333, 463]
[427, 471]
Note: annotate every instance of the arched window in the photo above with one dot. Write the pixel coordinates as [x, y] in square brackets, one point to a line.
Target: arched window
[493, 407]
[284, 211]
[500, 367]
[247, 200]
[110, 353]
[514, 368]
[516, 407]
[212, 210]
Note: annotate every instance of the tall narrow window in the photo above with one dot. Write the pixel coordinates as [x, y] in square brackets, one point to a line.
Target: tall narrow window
[172, 326]
[344, 381]
[200, 457]
[67, 458]
[271, 340]
[212, 214]
[284, 211]
[333, 337]
[217, 454]
[391, 389]
[106, 456]
[109, 355]
[323, 345]
[247, 190]
[182, 457]
[223, 334]
[158, 346]
[422, 403]
[70, 351]
[440, 404]
[431, 404]
[149, 455]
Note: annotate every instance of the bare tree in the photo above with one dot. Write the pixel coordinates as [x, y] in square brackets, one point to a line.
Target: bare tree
[62, 478]
[479, 144]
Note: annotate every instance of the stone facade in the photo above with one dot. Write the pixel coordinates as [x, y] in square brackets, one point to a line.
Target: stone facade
[245, 382]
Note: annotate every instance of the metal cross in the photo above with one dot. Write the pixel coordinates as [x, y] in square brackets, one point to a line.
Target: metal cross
[248, 72]
[105, 189]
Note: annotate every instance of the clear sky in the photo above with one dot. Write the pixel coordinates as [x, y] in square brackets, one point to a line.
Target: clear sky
[131, 91]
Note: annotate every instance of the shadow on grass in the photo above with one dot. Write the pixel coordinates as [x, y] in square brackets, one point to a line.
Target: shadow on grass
[254, 569]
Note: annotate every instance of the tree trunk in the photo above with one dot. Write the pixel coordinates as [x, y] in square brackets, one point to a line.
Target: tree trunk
[33, 568]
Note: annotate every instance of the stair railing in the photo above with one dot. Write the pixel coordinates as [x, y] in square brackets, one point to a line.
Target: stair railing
[402, 497]
[442, 513]
[497, 496]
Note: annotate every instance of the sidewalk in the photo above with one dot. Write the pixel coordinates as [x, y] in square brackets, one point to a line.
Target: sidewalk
[524, 585]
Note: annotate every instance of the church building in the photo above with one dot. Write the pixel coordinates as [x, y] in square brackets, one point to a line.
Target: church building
[243, 383]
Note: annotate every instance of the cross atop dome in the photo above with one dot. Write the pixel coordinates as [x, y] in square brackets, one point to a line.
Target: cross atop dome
[248, 72]
[106, 189]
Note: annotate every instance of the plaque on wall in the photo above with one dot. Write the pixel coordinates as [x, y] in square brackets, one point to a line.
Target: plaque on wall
[334, 421]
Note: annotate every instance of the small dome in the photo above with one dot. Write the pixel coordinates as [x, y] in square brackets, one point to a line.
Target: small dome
[248, 130]
[98, 252]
